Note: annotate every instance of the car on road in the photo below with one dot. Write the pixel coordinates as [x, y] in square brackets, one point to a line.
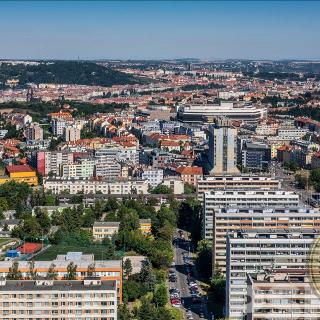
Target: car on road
[176, 302]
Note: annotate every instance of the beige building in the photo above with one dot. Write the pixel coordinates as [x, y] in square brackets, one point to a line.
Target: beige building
[103, 229]
[33, 132]
[175, 184]
[88, 299]
[243, 181]
[280, 295]
[72, 132]
[228, 221]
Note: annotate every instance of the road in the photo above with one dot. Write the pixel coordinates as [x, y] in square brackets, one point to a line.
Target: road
[182, 248]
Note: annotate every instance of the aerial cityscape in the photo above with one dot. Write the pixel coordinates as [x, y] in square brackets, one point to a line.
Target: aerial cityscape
[159, 160]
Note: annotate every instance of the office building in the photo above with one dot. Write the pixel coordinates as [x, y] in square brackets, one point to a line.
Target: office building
[222, 148]
[258, 250]
[229, 182]
[206, 113]
[228, 220]
[281, 294]
[256, 156]
[88, 299]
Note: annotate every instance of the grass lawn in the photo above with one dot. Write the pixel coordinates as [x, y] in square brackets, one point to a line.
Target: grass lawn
[52, 252]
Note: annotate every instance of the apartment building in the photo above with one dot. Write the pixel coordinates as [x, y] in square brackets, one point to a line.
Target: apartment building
[72, 132]
[214, 200]
[243, 181]
[84, 168]
[190, 175]
[105, 269]
[280, 295]
[153, 176]
[86, 185]
[33, 132]
[50, 161]
[253, 250]
[58, 126]
[103, 229]
[88, 299]
[228, 220]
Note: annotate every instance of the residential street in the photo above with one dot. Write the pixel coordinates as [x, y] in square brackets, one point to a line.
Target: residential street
[193, 304]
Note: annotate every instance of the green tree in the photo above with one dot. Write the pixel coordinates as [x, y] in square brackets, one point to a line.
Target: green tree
[146, 275]
[32, 273]
[301, 181]
[161, 189]
[147, 310]
[91, 270]
[204, 258]
[52, 272]
[127, 268]
[14, 272]
[218, 285]
[43, 220]
[124, 312]
[71, 271]
[160, 296]
[189, 188]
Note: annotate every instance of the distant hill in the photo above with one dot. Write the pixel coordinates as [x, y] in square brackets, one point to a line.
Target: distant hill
[66, 72]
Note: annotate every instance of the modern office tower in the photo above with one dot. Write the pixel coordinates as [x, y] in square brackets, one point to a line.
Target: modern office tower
[105, 269]
[238, 182]
[88, 299]
[33, 132]
[228, 220]
[253, 251]
[214, 200]
[72, 132]
[222, 147]
[281, 294]
[256, 156]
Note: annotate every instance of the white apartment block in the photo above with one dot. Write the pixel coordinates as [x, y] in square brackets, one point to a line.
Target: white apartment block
[88, 299]
[228, 220]
[58, 126]
[214, 200]
[292, 132]
[254, 251]
[243, 181]
[153, 176]
[280, 295]
[87, 186]
[54, 159]
[82, 169]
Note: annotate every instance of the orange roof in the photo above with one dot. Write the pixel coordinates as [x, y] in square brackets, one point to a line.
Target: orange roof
[190, 170]
[19, 168]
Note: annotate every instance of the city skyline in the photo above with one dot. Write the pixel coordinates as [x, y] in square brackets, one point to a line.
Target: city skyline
[160, 30]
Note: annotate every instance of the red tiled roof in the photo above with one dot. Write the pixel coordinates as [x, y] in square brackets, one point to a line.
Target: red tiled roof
[19, 168]
[189, 170]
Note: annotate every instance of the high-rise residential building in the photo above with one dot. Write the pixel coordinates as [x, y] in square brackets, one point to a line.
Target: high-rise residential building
[105, 269]
[253, 251]
[214, 200]
[153, 176]
[222, 147]
[107, 163]
[58, 126]
[281, 294]
[50, 161]
[229, 220]
[33, 132]
[88, 299]
[238, 182]
[72, 132]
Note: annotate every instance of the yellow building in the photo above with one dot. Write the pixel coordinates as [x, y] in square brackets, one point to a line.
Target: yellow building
[20, 173]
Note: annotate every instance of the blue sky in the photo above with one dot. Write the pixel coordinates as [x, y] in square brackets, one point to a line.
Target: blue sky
[160, 29]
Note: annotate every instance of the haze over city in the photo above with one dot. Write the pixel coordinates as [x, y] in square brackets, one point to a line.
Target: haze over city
[160, 29]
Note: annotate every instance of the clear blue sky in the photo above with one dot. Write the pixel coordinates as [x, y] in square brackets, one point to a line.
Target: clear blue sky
[160, 29]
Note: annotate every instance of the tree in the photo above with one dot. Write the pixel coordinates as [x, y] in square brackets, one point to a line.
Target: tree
[127, 268]
[204, 258]
[32, 273]
[160, 296]
[91, 270]
[147, 310]
[52, 272]
[161, 189]
[72, 271]
[147, 276]
[14, 272]
[301, 181]
[218, 285]
[43, 220]
[189, 188]
[124, 312]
